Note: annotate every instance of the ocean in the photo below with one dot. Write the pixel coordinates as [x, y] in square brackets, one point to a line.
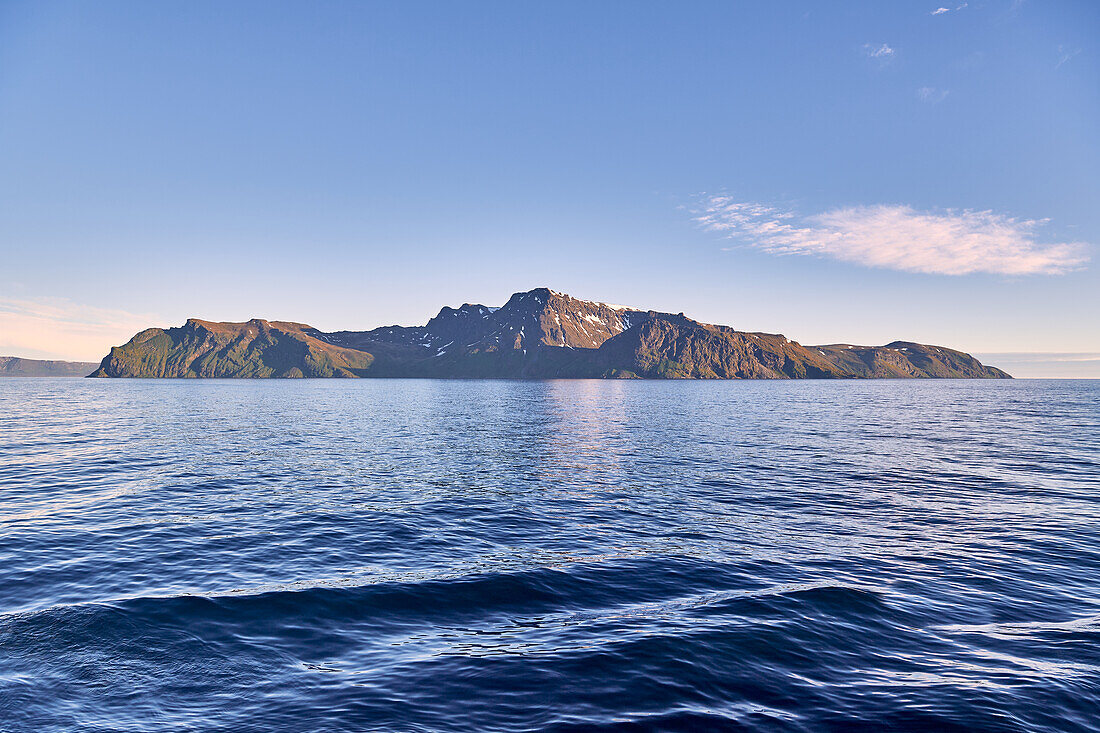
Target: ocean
[423, 555]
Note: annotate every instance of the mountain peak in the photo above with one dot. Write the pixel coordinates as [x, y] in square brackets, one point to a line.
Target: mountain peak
[549, 318]
[465, 310]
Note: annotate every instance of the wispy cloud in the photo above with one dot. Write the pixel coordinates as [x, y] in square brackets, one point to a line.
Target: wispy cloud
[56, 328]
[941, 10]
[1065, 54]
[877, 51]
[931, 95]
[896, 237]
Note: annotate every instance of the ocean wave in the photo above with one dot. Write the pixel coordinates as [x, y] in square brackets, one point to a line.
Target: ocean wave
[549, 557]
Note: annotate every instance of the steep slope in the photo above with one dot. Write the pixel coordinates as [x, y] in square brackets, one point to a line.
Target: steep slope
[544, 317]
[14, 366]
[676, 347]
[536, 334]
[256, 348]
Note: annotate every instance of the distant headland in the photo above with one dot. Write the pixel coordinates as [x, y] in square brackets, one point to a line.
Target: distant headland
[539, 334]
[14, 366]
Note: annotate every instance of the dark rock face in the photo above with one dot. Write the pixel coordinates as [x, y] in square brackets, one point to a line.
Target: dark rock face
[535, 335]
[14, 366]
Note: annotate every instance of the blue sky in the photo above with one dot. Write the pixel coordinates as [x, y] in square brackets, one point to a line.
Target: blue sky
[850, 171]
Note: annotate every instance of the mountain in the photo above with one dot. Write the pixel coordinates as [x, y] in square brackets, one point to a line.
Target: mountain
[14, 366]
[539, 334]
[255, 349]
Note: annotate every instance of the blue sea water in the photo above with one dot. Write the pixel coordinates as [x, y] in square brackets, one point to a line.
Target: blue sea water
[549, 556]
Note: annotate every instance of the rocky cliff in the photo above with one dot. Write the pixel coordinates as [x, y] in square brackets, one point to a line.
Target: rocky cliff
[536, 334]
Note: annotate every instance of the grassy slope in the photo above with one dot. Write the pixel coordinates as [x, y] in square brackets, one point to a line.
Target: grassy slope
[253, 349]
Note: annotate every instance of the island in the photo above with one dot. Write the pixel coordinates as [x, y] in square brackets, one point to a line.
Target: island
[538, 334]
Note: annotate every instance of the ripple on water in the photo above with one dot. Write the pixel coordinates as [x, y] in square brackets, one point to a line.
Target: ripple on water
[473, 556]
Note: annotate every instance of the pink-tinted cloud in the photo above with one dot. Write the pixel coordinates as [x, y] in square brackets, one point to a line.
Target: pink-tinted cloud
[897, 238]
[56, 328]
